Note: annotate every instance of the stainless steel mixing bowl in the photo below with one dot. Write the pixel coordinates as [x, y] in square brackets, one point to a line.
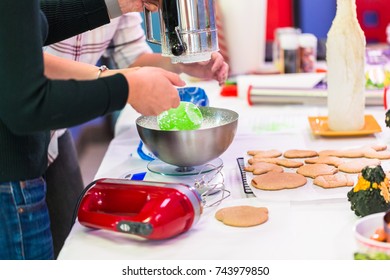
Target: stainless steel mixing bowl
[186, 148]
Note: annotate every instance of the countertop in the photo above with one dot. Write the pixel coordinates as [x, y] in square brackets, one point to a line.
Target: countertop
[319, 228]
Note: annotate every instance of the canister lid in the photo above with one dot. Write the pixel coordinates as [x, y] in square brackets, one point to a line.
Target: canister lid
[289, 41]
[307, 40]
[286, 30]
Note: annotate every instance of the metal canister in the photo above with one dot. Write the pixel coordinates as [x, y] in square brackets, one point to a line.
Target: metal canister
[289, 58]
[187, 28]
[307, 52]
[276, 48]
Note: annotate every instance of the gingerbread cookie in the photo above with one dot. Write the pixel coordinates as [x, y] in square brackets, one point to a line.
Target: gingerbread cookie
[260, 167]
[278, 181]
[326, 153]
[265, 153]
[374, 151]
[300, 154]
[330, 160]
[242, 216]
[279, 161]
[333, 181]
[316, 169]
[348, 153]
[378, 147]
[356, 165]
[377, 154]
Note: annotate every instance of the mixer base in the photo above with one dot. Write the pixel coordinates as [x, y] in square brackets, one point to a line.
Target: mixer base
[162, 168]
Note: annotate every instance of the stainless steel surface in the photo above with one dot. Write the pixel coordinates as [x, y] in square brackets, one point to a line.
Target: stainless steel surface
[149, 27]
[186, 148]
[190, 22]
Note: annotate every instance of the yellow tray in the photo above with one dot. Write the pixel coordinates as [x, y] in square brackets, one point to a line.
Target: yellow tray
[319, 126]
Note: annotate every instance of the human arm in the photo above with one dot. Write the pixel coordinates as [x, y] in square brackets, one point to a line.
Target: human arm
[60, 68]
[31, 102]
[42, 103]
[63, 69]
[216, 68]
[69, 18]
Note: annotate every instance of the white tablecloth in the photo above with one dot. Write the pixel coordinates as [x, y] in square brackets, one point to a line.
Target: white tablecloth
[312, 229]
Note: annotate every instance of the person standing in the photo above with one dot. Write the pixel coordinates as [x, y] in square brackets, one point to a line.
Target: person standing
[123, 44]
[32, 104]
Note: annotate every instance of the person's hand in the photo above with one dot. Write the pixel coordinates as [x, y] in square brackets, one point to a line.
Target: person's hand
[152, 90]
[111, 72]
[216, 68]
[128, 6]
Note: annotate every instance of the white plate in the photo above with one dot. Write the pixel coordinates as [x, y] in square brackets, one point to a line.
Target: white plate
[364, 228]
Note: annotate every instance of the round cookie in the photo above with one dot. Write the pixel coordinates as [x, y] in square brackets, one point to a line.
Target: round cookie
[272, 181]
[242, 216]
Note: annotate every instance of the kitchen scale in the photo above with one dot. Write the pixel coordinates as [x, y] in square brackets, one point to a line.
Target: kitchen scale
[159, 167]
[207, 179]
[191, 156]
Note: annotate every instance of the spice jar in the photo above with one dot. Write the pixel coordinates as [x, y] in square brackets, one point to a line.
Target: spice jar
[276, 47]
[307, 52]
[289, 44]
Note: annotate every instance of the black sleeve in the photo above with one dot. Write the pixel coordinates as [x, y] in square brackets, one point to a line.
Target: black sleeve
[68, 18]
[31, 102]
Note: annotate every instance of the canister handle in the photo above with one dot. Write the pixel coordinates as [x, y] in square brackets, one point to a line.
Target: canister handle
[149, 27]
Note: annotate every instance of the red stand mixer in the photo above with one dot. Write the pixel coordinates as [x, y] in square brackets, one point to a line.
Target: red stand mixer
[152, 210]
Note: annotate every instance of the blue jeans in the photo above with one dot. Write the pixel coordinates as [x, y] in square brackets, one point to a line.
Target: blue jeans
[24, 221]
